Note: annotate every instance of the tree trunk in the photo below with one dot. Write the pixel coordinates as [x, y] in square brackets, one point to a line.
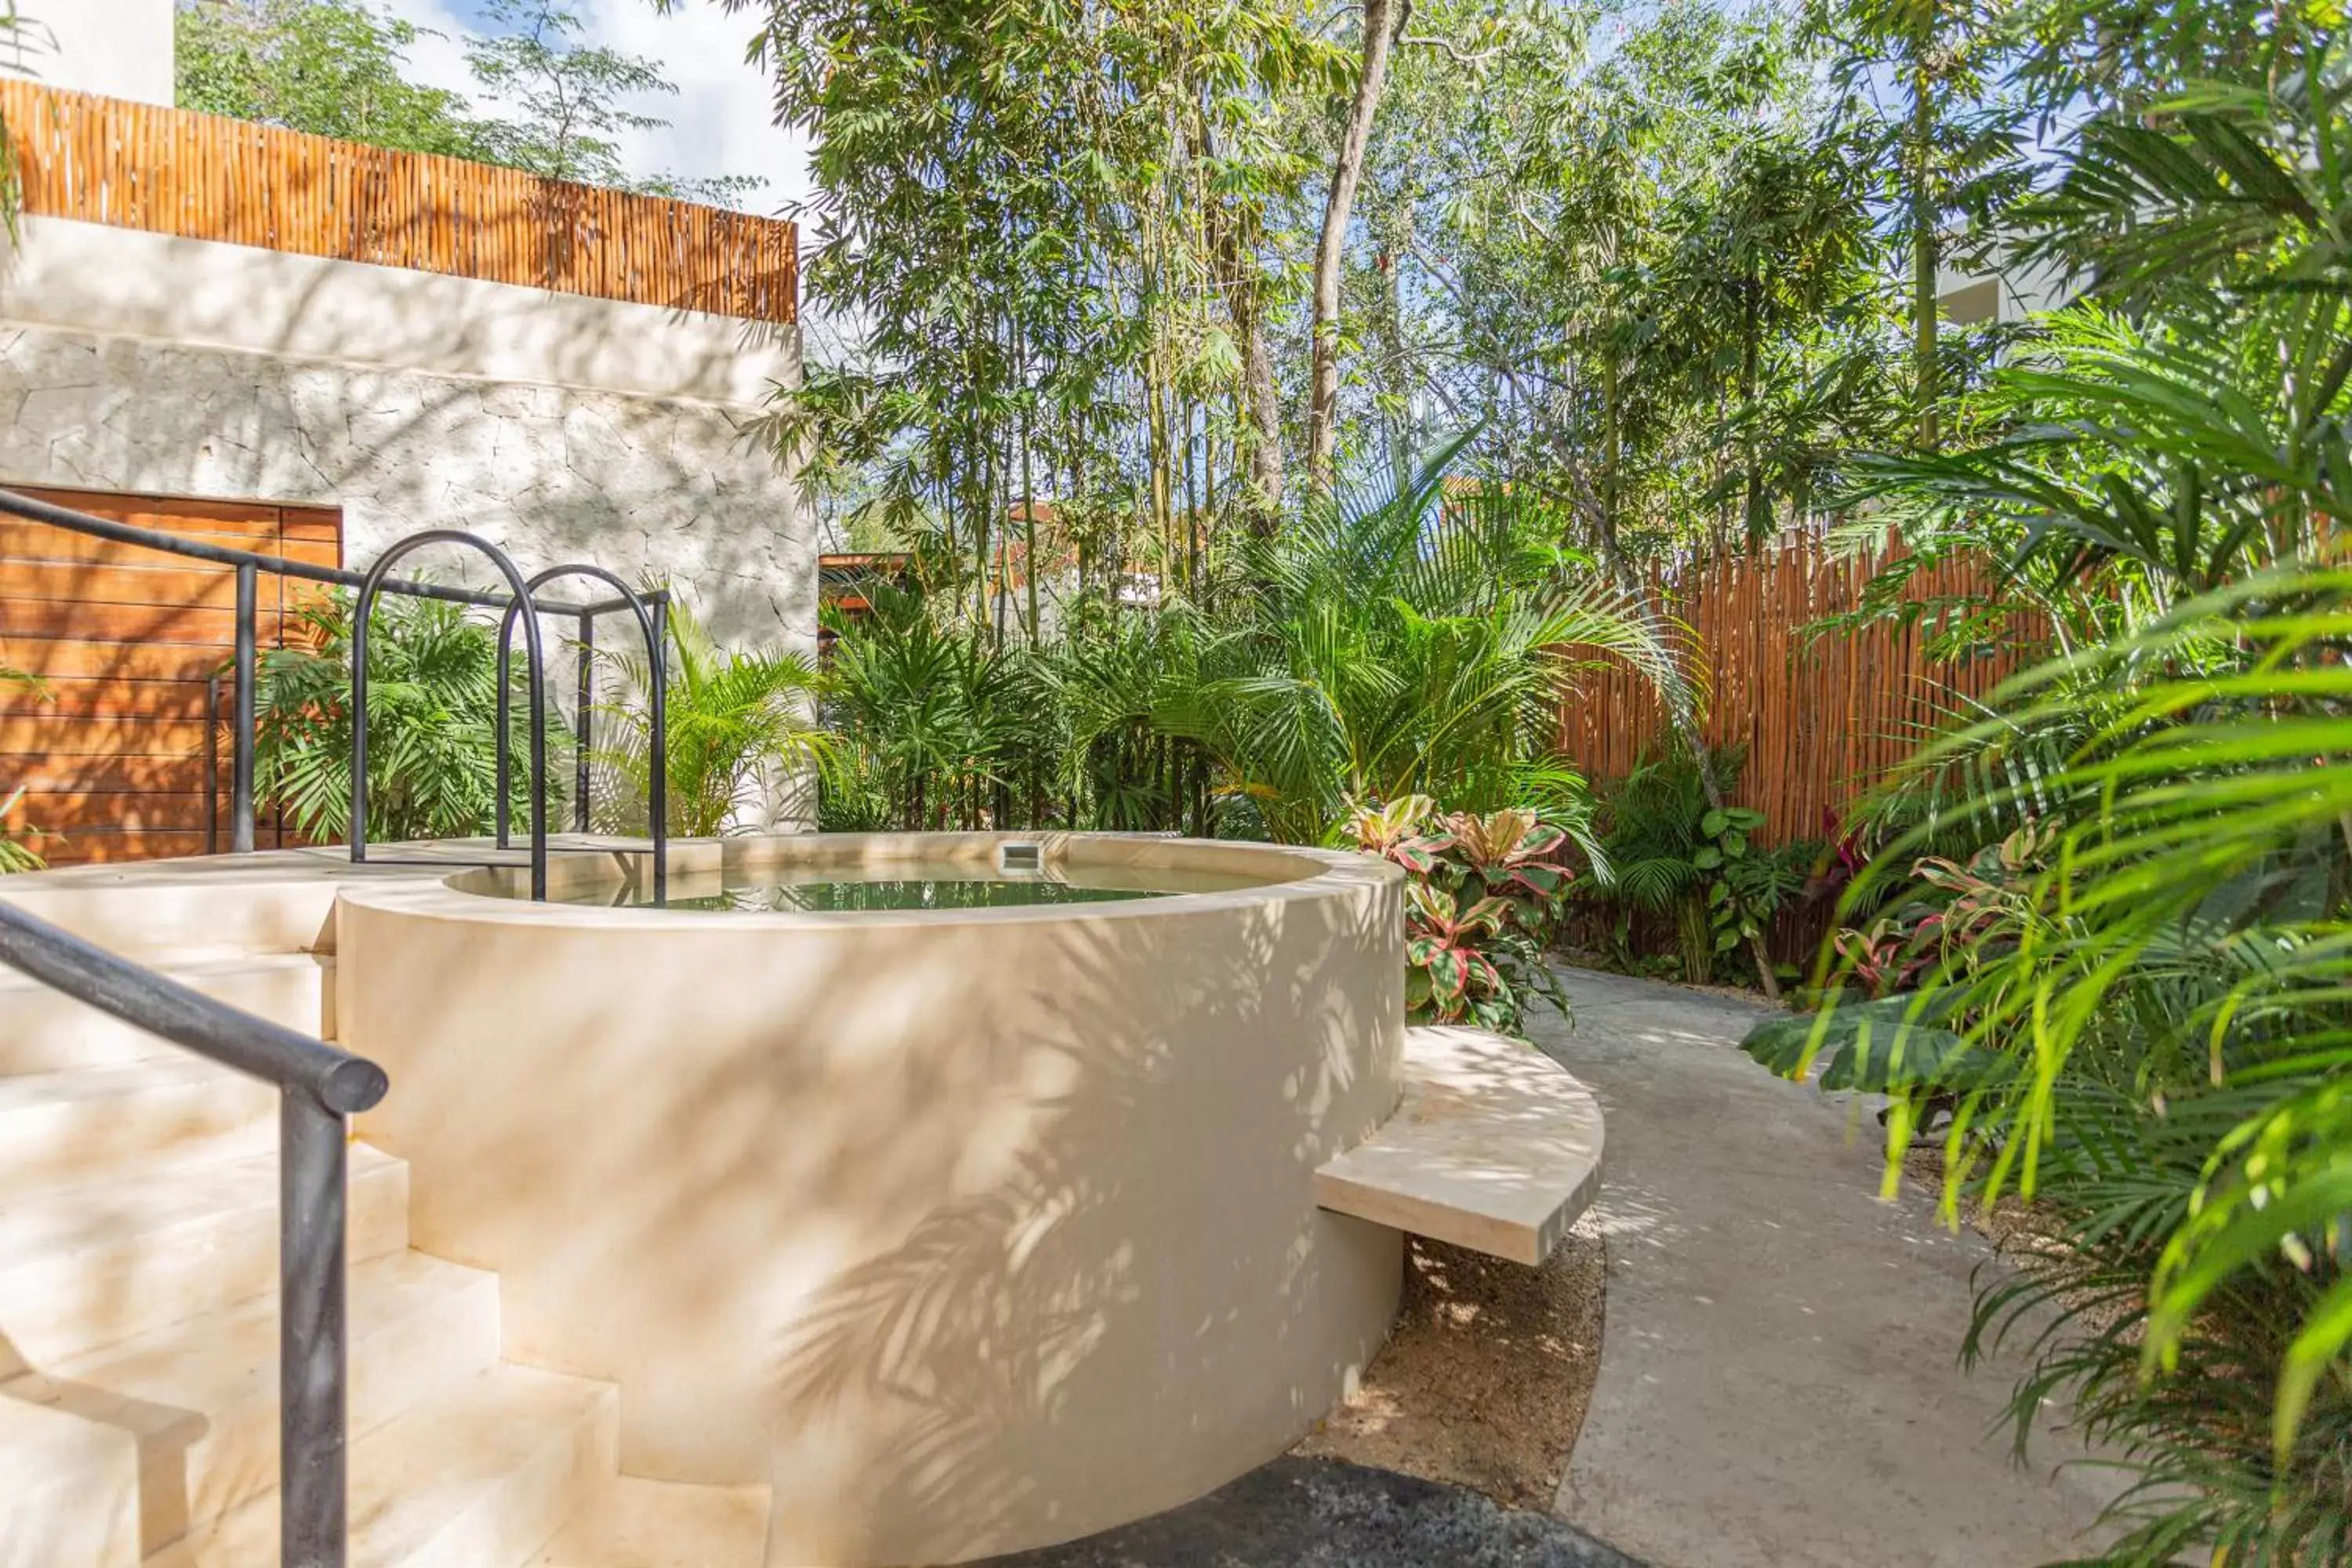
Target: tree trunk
[1923, 227]
[1237, 280]
[1347, 173]
[1028, 501]
[1191, 505]
[1754, 513]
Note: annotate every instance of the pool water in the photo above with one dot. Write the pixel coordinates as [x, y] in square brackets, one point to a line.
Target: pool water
[832, 890]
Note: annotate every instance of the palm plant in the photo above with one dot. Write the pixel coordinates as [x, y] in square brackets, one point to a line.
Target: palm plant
[2151, 1035]
[16, 851]
[930, 717]
[1652, 840]
[739, 726]
[432, 690]
[1414, 640]
[1674, 856]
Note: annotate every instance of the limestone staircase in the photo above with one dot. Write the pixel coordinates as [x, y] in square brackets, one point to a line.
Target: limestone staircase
[137, 1311]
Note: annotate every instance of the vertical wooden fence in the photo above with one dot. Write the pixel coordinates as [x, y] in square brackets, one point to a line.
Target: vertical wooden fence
[1823, 716]
[200, 176]
[113, 741]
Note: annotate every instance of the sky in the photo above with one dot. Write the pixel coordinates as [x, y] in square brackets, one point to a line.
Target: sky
[719, 120]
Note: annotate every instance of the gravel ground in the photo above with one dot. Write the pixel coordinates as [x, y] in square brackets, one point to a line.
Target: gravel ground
[1324, 1513]
[1485, 1379]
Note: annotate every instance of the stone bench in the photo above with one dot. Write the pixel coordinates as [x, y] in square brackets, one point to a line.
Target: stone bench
[1493, 1147]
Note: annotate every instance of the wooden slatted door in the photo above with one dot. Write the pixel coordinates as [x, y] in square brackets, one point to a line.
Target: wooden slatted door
[111, 749]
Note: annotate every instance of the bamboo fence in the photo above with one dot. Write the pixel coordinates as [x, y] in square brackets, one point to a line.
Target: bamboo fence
[200, 176]
[1823, 715]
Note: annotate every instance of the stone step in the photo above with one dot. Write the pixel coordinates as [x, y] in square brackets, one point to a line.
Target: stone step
[276, 902]
[639, 1523]
[199, 1399]
[96, 1265]
[1493, 1147]
[45, 1030]
[68, 1491]
[481, 1479]
[80, 1126]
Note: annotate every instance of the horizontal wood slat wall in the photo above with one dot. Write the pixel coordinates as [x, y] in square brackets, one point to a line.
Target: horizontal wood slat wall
[1823, 718]
[200, 176]
[112, 761]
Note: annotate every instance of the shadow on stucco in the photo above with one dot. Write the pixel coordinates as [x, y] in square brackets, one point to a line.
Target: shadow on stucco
[979, 1242]
[1018, 1314]
[315, 382]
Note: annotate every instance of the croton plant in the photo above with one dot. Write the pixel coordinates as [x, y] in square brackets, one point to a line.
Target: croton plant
[1483, 893]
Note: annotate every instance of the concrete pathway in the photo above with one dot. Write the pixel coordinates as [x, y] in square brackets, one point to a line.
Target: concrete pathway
[1779, 1384]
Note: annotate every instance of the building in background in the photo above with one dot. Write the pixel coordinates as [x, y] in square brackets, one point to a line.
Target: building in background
[312, 346]
[2012, 294]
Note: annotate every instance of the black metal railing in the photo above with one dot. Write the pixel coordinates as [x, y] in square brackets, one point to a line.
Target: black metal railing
[320, 1089]
[651, 617]
[650, 607]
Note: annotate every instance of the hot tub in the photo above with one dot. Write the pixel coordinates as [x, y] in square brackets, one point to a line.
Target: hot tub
[972, 1223]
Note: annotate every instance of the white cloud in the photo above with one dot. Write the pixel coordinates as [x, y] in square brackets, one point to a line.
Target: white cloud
[720, 118]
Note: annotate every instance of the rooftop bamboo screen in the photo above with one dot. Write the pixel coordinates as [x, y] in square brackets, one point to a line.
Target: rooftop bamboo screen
[200, 176]
[1824, 717]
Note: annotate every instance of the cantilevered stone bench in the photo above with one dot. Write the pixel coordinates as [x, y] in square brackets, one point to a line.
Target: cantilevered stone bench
[1494, 1147]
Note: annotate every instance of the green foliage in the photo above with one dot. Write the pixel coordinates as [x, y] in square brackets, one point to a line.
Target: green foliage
[1416, 640]
[935, 722]
[570, 102]
[1644, 246]
[1046, 220]
[2130, 1002]
[1482, 894]
[1873, 1046]
[1407, 641]
[1672, 855]
[1952, 909]
[432, 728]
[23, 40]
[339, 67]
[334, 67]
[16, 851]
[738, 724]
[17, 841]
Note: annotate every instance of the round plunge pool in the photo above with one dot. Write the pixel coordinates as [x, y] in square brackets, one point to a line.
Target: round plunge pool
[966, 1203]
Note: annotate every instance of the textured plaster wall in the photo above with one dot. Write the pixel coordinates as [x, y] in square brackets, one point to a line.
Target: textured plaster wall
[411, 402]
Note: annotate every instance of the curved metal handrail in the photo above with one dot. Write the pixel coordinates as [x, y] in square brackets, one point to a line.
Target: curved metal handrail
[248, 566]
[364, 606]
[656, 665]
[32, 510]
[319, 1088]
[338, 1080]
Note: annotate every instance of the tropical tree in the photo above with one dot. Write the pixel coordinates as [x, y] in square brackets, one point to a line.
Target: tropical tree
[568, 102]
[1051, 223]
[1407, 641]
[432, 701]
[739, 726]
[549, 104]
[1381, 20]
[2136, 1015]
[336, 67]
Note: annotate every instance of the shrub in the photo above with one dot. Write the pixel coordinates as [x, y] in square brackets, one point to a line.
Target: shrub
[432, 701]
[1483, 894]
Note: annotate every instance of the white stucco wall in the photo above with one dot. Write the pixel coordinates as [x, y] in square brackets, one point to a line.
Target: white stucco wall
[563, 428]
[121, 48]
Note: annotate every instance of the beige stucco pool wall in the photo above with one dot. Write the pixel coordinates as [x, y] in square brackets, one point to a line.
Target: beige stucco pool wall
[965, 1231]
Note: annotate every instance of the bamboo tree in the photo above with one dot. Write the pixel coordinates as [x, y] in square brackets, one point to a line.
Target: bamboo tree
[1380, 20]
